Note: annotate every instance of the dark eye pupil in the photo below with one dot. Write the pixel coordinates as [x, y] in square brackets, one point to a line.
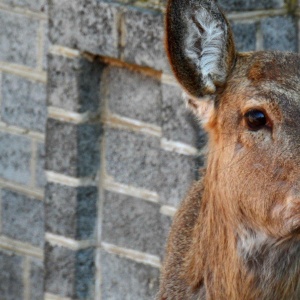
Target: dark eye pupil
[255, 119]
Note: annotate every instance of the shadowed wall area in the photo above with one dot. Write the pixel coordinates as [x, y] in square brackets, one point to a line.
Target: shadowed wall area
[96, 146]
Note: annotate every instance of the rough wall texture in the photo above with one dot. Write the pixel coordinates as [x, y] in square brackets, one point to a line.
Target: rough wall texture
[96, 146]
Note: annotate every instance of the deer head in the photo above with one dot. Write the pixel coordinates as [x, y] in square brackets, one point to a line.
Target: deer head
[250, 201]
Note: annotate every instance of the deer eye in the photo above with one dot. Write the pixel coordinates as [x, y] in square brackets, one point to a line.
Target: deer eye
[255, 119]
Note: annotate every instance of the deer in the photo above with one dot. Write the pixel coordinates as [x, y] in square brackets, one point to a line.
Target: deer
[236, 235]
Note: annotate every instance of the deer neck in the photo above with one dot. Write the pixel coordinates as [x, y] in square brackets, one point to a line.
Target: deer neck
[234, 262]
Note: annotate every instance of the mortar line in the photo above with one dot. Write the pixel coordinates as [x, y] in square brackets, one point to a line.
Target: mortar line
[68, 243]
[64, 51]
[48, 296]
[120, 122]
[110, 184]
[28, 191]
[26, 278]
[256, 14]
[23, 11]
[40, 45]
[259, 38]
[134, 255]
[20, 247]
[22, 131]
[23, 71]
[33, 162]
[102, 147]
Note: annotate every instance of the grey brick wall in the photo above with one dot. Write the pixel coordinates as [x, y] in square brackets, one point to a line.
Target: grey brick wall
[97, 148]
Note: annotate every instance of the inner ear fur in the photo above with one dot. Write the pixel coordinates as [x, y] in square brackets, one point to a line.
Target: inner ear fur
[199, 44]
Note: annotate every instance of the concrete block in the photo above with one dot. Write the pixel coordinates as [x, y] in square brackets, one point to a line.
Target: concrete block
[36, 279]
[19, 39]
[176, 174]
[238, 5]
[40, 166]
[178, 122]
[73, 149]
[46, 47]
[69, 273]
[23, 103]
[124, 279]
[94, 25]
[35, 5]
[143, 42]
[132, 158]
[279, 33]
[134, 223]
[73, 84]
[22, 218]
[244, 36]
[70, 211]
[134, 95]
[15, 156]
[11, 276]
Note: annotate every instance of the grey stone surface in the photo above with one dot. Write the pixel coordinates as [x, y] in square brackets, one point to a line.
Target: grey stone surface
[244, 36]
[70, 211]
[178, 122]
[144, 38]
[22, 218]
[36, 279]
[23, 103]
[134, 95]
[241, 5]
[46, 46]
[11, 276]
[123, 279]
[134, 223]
[176, 174]
[73, 84]
[132, 158]
[72, 149]
[15, 155]
[40, 166]
[69, 273]
[18, 42]
[279, 33]
[94, 25]
[35, 5]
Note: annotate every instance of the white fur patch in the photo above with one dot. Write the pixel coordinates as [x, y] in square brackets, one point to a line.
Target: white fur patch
[212, 39]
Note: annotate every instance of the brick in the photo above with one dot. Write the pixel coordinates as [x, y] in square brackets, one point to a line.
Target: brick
[144, 38]
[124, 279]
[176, 174]
[73, 84]
[69, 273]
[18, 39]
[40, 166]
[22, 218]
[244, 36]
[242, 5]
[35, 5]
[11, 276]
[23, 103]
[134, 223]
[36, 279]
[94, 25]
[178, 122]
[15, 155]
[70, 211]
[134, 95]
[132, 158]
[72, 149]
[279, 33]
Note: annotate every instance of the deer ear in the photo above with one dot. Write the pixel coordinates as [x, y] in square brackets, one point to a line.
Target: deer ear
[199, 44]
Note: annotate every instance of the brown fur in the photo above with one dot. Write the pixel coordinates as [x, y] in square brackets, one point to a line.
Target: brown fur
[237, 233]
